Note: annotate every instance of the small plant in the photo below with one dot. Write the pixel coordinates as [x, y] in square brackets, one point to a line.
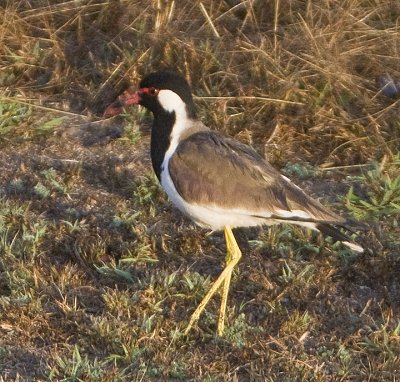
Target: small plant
[384, 341]
[131, 133]
[297, 324]
[116, 272]
[383, 184]
[301, 170]
[287, 274]
[177, 371]
[147, 323]
[76, 226]
[12, 114]
[238, 330]
[76, 368]
[345, 359]
[131, 354]
[41, 190]
[55, 180]
[20, 234]
[194, 282]
[32, 236]
[147, 190]
[52, 183]
[124, 219]
[49, 125]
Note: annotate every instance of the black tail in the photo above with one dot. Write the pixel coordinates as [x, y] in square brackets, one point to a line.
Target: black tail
[335, 234]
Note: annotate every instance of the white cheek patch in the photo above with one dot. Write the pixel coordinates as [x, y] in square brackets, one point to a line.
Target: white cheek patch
[170, 101]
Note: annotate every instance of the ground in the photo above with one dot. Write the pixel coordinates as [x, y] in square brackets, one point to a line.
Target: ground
[99, 273]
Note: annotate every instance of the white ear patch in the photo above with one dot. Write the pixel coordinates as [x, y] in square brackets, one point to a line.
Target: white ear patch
[170, 101]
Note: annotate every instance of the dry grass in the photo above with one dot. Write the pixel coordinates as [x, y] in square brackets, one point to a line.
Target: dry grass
[99, 273]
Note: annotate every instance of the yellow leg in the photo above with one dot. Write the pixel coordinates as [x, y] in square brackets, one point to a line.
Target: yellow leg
[233, 257]
[224, 298]
[233, 254]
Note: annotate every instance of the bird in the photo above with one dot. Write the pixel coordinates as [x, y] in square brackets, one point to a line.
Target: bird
[217, 181]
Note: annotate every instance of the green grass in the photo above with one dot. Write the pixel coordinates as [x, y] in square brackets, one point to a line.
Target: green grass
[99, 273]
[383, 182]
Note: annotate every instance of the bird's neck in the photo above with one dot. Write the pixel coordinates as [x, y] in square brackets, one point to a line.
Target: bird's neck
[166, 132]
[160, 139]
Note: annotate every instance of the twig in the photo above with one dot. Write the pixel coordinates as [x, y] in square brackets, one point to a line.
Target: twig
[346, 167]
[253, 98]
[208, 18]
[13, 99]
[276, 17]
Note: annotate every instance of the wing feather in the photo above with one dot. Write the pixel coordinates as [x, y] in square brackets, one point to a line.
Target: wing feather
[210, 169]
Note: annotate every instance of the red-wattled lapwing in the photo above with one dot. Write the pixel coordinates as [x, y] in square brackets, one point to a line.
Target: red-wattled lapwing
[216, 181]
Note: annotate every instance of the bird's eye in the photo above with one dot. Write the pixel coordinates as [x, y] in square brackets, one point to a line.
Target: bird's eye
[153, 91]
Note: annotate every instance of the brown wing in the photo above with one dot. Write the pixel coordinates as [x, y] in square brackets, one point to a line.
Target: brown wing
[208, 168]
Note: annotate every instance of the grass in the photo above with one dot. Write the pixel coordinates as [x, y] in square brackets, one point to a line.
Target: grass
[383, 182]
[99, 273]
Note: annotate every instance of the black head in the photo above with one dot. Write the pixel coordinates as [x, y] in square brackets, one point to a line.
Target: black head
[149, 97]
[154, 82]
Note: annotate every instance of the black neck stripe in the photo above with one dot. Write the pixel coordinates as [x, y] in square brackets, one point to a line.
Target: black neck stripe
[160, 138]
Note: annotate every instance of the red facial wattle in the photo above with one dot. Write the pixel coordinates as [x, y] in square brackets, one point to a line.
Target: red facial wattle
[127, 98]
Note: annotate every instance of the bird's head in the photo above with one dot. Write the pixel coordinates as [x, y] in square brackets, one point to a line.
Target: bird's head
[160, 92]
